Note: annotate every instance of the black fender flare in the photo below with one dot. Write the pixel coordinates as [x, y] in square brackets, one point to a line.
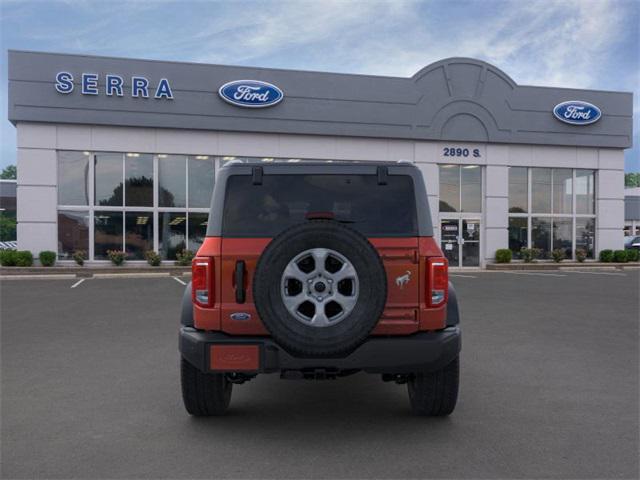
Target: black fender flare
[186, 312]
[453, 312]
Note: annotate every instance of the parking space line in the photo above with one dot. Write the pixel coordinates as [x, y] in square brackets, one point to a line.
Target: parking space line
[598, 273]
[178, 280]
[538, 274]
[463, 276]
[78, 283]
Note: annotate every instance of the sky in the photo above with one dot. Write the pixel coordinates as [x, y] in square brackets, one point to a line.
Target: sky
[566, 43]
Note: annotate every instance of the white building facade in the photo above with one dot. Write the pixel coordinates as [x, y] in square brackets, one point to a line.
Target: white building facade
[111, 170]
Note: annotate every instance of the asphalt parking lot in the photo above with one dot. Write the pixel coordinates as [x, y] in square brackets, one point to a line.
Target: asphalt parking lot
[549, 389]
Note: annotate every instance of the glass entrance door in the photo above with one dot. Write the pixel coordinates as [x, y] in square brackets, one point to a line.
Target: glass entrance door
[470, 243]
[449, 236]
[460, 241]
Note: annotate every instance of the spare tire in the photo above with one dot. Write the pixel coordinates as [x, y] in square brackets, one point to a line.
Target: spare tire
[320, 288]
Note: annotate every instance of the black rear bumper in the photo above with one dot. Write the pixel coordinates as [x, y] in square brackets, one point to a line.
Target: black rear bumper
[425, 351]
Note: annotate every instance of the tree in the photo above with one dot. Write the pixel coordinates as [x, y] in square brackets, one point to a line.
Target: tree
[7, 228]
[632, 180]
[9, 172]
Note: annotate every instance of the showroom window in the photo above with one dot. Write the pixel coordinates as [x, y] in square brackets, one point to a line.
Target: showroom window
[73, 178]
[73, 232]
[133, 202]
[460, 188]
[551, 208]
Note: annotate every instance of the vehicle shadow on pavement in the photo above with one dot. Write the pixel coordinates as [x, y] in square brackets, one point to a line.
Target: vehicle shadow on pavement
[360, 398]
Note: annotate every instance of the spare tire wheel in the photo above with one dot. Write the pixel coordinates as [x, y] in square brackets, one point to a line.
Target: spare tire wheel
[320, 288]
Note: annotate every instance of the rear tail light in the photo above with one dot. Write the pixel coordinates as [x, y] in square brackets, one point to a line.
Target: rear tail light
[438, 281]
[202, 281]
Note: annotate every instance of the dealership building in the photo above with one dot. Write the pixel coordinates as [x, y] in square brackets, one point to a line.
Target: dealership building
[117, 153]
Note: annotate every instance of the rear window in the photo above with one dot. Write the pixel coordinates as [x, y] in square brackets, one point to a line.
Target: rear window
[282, 201]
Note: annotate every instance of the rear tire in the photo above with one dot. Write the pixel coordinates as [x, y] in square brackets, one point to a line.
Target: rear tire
[434, 394]
[204, 394]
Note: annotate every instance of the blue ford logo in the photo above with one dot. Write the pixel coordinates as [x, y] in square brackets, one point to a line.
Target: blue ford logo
[250, 93]
[576, 112]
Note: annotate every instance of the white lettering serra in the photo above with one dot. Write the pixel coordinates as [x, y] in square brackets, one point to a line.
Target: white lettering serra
[249, 93]
[113, 85]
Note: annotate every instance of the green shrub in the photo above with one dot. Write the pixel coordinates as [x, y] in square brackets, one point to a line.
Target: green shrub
[24, 258]
[47, 258]
[530, 254]
[581, 254]
[558, 255]
[153, 258]
[117, 257]
[184, 258]
[620, 256]
[633, 255]
[8, 258]
[606, 255]
[503, 255]
[526, 254]
[79, 256]
[16, 258]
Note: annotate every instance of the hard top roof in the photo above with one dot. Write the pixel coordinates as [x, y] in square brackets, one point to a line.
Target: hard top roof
[315, 163]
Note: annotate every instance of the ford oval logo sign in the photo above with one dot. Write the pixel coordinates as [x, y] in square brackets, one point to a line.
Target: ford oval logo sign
[251, 93]
[577, 112]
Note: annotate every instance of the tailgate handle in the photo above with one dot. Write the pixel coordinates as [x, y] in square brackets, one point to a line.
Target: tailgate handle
[239, 278]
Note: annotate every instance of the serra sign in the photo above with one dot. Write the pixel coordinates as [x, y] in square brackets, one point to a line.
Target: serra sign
[113, 85]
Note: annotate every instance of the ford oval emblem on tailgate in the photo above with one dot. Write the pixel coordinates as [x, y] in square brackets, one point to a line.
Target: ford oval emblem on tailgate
[240, 316]
[250, 93]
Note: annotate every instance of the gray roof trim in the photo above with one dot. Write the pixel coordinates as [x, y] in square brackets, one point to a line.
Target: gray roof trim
[455, 99]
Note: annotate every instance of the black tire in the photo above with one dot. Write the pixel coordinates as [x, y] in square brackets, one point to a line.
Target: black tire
[333, 340]
[204, 394]
[435, 394]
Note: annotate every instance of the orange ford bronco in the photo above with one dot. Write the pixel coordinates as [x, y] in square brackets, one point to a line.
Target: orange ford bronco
[320, 270]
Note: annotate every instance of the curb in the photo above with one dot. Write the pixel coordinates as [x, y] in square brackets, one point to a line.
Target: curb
[39, 277]
[89, 272]
[97, 276]
[51, 273]
[562, 266]
[135, 275]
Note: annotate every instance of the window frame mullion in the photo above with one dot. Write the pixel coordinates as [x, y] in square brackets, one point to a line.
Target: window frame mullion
[92, 201]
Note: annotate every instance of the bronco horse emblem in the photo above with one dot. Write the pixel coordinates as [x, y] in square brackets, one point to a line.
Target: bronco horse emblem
[402, 280]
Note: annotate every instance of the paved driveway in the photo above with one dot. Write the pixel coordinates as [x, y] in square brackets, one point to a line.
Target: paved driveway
[549, 389]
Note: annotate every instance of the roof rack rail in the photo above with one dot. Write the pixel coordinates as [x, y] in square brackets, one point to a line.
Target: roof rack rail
[233, 162]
